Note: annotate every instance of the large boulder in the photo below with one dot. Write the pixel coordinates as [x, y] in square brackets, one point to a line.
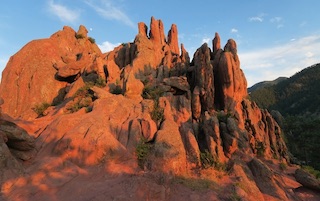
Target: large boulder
[169, 154]
[265, 180]
[17, 138]
[57, 60]
[246, 187]
[307, 180]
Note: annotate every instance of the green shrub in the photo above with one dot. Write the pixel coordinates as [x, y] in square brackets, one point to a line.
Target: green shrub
[206, 159]
[283, 166]
[148, 72]
[40, 108]
[142, 150]
[223, 117]
[157, 114]
[74, 108]
[85, 90]
[194, 183]
[80, 103]
[79, 36]
[100, 82]
[82, 98]
[234, 197]
[92, 40]
[260, 148]
[312, 171]
[116, 90]
[152, 92]
[88, 109]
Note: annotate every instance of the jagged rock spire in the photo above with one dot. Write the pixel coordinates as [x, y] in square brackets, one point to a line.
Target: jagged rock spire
[82, 31]
[173, 39]
[157, 32]
[231, 46]
[216, 43]
[142, 29]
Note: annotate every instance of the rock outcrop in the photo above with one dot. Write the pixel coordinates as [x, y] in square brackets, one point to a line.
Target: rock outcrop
[307, 179]
[143, 107]
[58, 60]
[15, 145]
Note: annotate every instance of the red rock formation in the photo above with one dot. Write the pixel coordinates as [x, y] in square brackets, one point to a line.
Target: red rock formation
[157, 33]
[264, 132]
[197, 116]
[60, 55]
[184, 55]
[233, 84]
[142, 29]
[133, 87]
[216, 44]
[173, 39]
[204, 78]
[151, 50]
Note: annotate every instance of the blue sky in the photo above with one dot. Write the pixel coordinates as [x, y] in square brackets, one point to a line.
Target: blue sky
[274, 37]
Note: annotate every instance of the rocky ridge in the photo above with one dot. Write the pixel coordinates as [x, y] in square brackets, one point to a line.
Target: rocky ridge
[142, 109]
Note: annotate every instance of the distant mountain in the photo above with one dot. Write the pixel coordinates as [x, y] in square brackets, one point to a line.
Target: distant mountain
[297, 95]
[264, 84]
[297, 98]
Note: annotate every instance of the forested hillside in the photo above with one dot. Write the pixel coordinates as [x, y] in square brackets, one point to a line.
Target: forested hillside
[297, 99]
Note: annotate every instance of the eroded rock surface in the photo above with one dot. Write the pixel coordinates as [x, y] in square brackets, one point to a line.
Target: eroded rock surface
[142, 109]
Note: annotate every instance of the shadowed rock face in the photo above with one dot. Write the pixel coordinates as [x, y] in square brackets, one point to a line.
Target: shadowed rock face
[154, 111]
[16, 145]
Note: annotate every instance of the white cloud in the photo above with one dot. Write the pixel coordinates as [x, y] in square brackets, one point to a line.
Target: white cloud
[65, 14]
[309, 54]
[258, 18]
[278, 21]
[107, 10]
[234, 30]
[107, 46]
[282, 60]
[206, 40]
[255, 19]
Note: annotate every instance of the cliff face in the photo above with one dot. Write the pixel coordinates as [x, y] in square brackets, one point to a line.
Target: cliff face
[143, 106]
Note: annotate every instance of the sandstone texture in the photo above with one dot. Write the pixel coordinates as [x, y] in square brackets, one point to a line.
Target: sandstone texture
[141, 122]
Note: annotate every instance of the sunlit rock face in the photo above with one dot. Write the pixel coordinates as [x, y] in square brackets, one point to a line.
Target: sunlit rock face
[142, 108]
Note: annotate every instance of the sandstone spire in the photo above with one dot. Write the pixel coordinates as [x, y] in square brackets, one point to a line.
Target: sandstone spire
[216, 43]
[231, 46]
[232, 83]
[204, 78]
[142, 29]
[184, 55]
[82, 31]
[157, 32]
[173, 39]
